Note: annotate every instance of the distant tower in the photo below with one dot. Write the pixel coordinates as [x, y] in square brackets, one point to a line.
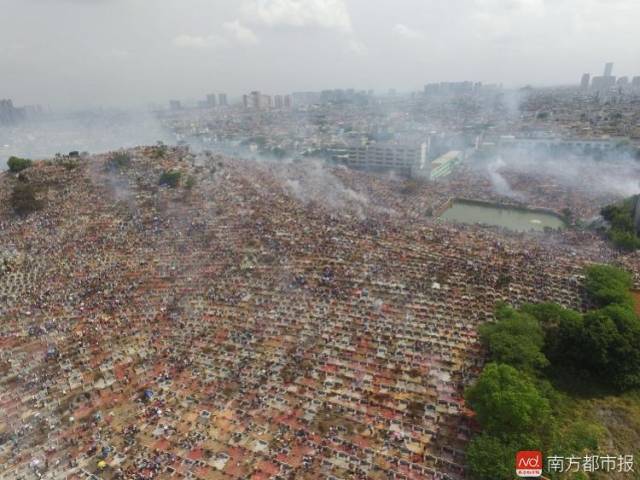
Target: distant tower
[608, 69]
[255, 100]
[7, 111]
[265, 102]
[584, 83]
[222, 99]
[211, 100]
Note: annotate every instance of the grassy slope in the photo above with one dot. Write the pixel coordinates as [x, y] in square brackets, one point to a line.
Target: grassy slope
[614, 420]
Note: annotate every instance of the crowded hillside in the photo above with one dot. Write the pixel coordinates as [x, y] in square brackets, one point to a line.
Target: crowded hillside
[172, 315]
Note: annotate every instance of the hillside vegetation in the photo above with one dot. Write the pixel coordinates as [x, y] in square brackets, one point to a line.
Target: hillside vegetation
[621, 218]
[560, 381]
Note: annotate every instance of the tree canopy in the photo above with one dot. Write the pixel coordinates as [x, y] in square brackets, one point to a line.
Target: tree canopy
[119, 161]
[17, 164]
[170, 178]
[506, 402]
[23, 199]
[602, 345]
[515, 339]
[490, 458]
[516, 404]
[607, 285]
[610, 342]
[560, 326]
[621, 218]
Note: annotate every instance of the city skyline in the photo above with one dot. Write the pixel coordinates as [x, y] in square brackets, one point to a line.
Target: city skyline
[131, 55]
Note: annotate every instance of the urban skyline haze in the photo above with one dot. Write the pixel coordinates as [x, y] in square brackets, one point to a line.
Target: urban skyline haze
[124, 53]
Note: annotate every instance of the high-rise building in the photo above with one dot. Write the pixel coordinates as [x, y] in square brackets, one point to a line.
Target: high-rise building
[255, 100]
[635, 83]
[8, 113]
[222, 99]
[623, 82]
[287, 101]
[401, 158]
[211, 100]
[245, 101]
[584, 83]
[450, 88]
[175, 105]
[265, 102]
[608, 69]
[278, 102]
[603, 83]
[32, 111]
[305, 98]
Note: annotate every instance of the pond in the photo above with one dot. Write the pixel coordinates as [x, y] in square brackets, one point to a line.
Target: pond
[511, 218]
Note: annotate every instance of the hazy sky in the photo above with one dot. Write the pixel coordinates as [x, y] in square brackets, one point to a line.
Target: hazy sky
[119, 52]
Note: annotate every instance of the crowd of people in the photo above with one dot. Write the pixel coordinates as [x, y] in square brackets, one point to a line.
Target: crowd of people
[257, 321]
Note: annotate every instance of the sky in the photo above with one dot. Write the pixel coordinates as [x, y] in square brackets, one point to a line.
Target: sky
[88, 53]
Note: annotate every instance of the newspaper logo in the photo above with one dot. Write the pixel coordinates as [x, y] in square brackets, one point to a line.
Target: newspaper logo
[529, 463]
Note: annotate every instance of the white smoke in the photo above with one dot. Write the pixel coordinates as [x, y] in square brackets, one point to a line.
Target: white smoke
[499, 182]
[616, 176]
[312, 181]
[94, 132]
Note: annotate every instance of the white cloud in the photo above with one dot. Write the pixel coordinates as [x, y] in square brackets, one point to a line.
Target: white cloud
[356, 47]
[408, 33]
[510, 6]
[118, 53]
[511, 24]
[232, 33]
[240, 33]
[329, 14]
[198, 41]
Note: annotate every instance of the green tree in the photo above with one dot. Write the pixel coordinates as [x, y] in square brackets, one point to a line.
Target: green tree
[606, 284]
[620, 215]
[17, 164]
[490, 459]
[515, 339]
[621, 218]
[119, 161]
[23, 199]
[507, 403]
[625, 240]
[549, 315]
[170, 178]
[610, 343]
[561, 328]
[595, 339]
